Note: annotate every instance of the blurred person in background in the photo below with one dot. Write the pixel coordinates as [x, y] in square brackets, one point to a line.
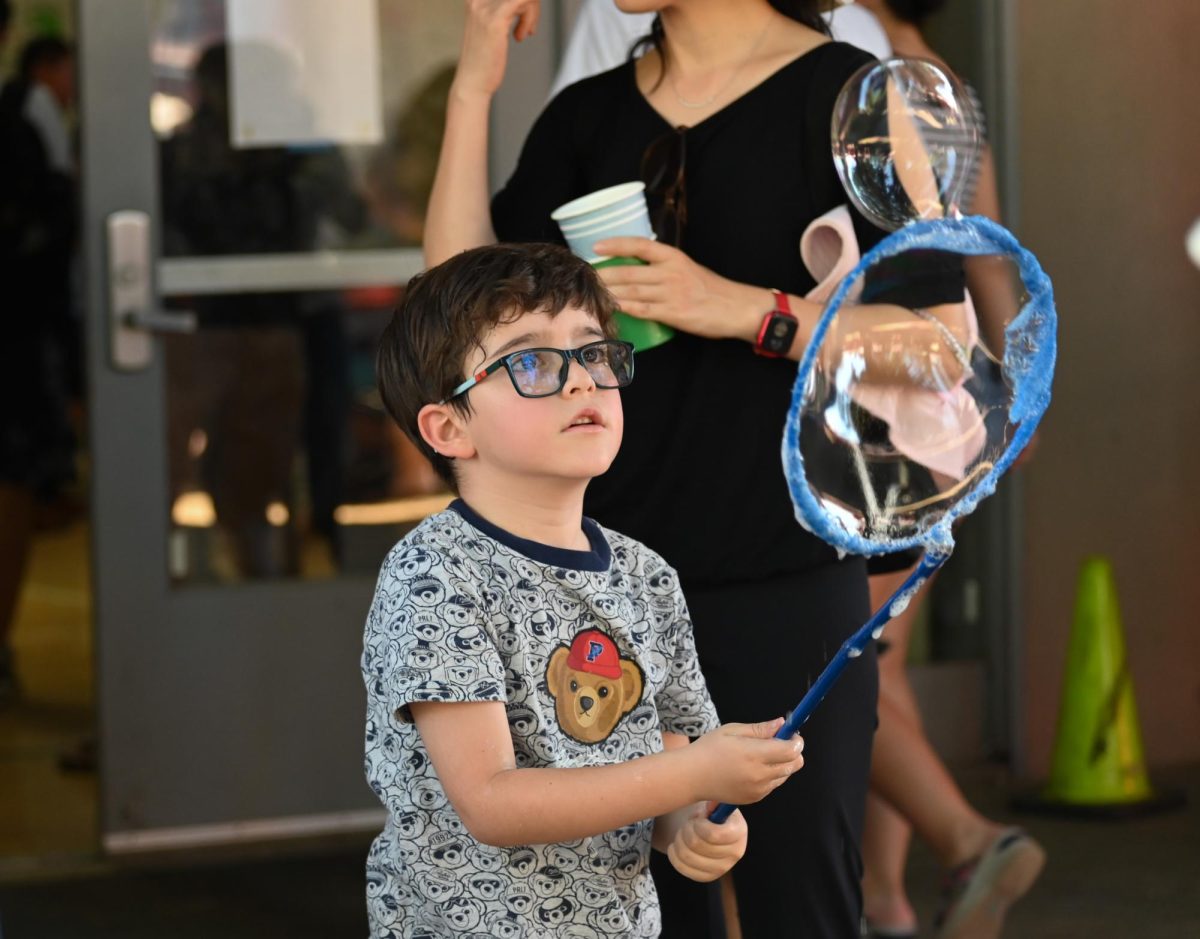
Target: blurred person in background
[988, 866]
[37, 348]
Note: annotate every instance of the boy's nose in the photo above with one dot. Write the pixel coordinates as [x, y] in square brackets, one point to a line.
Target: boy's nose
[578, 379]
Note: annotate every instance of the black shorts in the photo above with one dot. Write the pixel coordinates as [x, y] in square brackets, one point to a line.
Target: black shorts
[896, 561]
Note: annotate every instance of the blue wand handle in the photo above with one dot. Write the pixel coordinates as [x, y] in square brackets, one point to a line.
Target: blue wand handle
[852, 648]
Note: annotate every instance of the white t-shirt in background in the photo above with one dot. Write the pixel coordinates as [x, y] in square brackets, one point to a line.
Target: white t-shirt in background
[603, 35]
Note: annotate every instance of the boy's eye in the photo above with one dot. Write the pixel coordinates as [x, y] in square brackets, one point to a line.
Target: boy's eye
[526, 362]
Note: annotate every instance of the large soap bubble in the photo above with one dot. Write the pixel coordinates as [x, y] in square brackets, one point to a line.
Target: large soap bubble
[906, 140]
[916, 387]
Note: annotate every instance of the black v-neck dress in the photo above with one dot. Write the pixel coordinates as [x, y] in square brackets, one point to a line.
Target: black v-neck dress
[699, 476]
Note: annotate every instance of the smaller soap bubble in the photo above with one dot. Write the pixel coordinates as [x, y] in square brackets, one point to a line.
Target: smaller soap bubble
[906, 141]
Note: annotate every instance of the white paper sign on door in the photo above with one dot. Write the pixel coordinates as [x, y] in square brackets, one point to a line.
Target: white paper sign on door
[304, 72]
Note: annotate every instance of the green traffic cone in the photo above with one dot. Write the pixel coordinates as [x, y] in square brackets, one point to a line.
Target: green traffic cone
[1098, 766]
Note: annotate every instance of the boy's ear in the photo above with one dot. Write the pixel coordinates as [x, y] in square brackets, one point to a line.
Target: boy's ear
[444, 429]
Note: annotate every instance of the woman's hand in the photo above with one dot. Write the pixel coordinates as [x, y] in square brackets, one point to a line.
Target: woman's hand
[484, 54]
[673, 289]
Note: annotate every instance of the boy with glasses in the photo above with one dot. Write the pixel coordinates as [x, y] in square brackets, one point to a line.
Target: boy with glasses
[532, 680]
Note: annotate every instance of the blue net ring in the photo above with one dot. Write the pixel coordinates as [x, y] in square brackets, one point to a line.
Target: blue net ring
[1030, 349]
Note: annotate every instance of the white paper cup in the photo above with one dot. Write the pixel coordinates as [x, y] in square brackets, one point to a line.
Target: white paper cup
[618, 211]
[595, 204]
[591, 221]
[609, 213]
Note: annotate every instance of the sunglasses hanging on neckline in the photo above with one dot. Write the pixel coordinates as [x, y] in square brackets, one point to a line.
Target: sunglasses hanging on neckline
[663, 164]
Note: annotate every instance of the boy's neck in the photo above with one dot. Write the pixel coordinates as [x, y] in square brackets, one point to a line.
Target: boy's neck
[549, 514]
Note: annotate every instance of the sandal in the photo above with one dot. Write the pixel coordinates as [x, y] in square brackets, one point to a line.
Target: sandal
[977, 894]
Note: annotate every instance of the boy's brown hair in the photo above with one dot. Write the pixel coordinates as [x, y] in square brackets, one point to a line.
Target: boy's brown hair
[448, 309]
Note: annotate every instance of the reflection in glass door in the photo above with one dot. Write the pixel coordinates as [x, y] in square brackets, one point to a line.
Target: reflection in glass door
[287, 220]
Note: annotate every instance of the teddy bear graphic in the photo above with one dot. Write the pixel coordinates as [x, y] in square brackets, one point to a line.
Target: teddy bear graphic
[592, 686]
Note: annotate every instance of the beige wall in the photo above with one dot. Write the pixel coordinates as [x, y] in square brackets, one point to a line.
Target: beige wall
[1109, 153]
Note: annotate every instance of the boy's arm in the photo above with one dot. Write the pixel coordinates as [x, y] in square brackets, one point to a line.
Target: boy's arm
[471, 748]
[698, 848]
[668, 825]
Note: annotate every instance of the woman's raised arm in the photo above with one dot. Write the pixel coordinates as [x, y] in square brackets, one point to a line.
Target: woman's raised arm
[458, 215]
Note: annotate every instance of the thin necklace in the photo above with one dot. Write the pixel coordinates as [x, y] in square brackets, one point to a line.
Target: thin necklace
[696, 105]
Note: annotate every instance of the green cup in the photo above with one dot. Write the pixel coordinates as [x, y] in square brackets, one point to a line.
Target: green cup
[644, 334]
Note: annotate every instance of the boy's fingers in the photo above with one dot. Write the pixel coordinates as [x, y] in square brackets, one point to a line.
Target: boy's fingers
[765, 729]
[707, 835]
[777, 752]
[695, 868]
[713, 861]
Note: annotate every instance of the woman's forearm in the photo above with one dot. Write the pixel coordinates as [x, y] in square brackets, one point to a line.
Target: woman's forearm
[458, 216]
[898, 346]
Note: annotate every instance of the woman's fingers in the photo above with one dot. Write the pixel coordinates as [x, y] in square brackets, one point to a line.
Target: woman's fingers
[528, 14]
[645, 249]
[645, 293]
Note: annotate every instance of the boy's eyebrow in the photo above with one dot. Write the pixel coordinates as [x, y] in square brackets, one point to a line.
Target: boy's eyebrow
[516, 342]
[525, 338]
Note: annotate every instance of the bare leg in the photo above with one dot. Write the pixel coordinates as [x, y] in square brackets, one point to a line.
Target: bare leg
[909, 776]
[910, 786]
[886, 835]
[16, 535]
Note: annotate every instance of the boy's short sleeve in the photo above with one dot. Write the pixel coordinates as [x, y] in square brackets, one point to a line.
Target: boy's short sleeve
[426, 636]
[684, 705]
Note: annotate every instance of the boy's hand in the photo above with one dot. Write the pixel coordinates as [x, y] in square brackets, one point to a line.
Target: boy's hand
[703, 850]
[741, 763]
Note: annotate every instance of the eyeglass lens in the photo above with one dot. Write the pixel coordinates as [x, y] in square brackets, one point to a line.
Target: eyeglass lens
[663, 173]
[541, 372]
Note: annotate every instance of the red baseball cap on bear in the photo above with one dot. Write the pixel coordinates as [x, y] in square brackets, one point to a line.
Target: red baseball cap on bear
[592, 651]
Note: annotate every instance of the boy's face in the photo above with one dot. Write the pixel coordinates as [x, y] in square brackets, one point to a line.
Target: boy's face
[571, 435]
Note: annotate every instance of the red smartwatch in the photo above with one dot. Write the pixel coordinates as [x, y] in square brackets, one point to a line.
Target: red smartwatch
[778, 328]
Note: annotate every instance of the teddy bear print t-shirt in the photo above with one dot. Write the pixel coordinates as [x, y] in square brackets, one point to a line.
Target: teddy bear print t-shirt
[590, 652]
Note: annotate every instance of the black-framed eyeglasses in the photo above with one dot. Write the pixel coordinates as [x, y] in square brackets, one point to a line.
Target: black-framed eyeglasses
[663, 165]
[539, 373]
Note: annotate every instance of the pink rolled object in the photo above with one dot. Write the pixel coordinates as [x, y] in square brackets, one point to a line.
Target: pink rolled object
[829, 249]
[941, 430]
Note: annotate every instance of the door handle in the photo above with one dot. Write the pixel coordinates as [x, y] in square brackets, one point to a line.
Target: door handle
[181, 322]
[133, 316]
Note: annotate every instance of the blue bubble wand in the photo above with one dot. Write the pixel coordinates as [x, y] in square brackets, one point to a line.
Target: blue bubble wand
[1028, 368]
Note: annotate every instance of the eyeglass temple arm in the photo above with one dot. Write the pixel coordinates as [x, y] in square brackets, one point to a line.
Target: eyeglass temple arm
[473, 380]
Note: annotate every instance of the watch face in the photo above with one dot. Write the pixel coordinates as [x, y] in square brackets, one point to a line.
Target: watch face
[780, 332]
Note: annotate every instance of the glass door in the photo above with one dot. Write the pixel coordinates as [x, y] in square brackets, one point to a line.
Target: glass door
[255, 175]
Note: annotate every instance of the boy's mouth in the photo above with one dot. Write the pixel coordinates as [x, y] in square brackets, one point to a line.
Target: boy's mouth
[585, 419]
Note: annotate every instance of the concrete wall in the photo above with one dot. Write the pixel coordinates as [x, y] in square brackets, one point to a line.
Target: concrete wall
[1109, 142]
